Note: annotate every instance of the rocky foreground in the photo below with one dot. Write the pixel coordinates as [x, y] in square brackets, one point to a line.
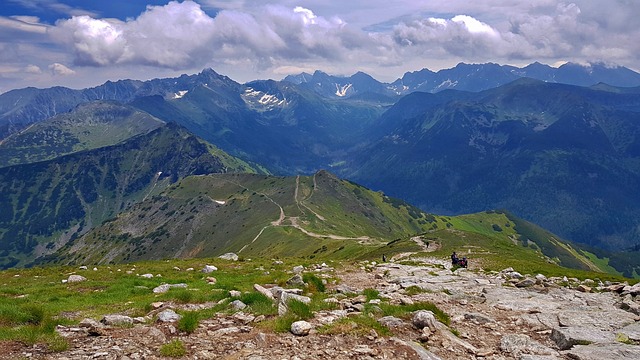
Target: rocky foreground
[493, 316]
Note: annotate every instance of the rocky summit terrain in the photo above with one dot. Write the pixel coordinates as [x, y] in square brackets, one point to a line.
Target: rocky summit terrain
[497, 315]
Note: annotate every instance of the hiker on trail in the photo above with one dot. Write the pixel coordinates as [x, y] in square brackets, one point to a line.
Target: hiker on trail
[384, 258]
[463, 262]
[454, 259]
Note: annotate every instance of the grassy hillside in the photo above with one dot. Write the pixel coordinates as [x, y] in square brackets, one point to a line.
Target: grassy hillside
[89, 126]
[314, 217]
[46, 204]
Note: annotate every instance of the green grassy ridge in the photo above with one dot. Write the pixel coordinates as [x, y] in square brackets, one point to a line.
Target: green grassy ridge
[218, 213]
[45, 205]
[350, 221]
[89, 126]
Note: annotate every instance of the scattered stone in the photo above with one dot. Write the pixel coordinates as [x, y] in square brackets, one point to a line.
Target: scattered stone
[296, 280]
[525, 283]
[229, 256]
[117, 320]
[611, 351]
[235, 293]
[83, 267]
[165, 287]
[76, 278]
[168, 316]
[391, 322]
[584, 288]
[147, 276]
[565, 338]
[209, 269]
[424, 318]
[211, 280]
[518, 344]
[157, 305]
[238, 305]
[301, 328]
[264, 291]
[94, 328]
[298, 269]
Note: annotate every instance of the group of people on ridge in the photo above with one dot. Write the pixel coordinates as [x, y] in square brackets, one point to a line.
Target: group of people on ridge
[457, 261]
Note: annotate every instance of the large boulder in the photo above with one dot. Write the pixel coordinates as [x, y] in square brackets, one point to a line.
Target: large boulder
[76, 278]
[117, 320]
[424, 318]
[229, 256]
[301, 328]
[168, 316]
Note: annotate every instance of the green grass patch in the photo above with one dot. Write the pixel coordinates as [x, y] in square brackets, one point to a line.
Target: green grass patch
[173, 349]
[359, 325]
[314, 283]
[259, 303]
[371, 293]
[189, 322]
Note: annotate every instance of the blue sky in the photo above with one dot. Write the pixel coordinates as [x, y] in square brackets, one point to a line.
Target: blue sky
[79, 44]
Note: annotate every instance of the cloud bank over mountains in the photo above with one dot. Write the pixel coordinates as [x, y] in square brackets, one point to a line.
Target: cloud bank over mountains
[248, 40]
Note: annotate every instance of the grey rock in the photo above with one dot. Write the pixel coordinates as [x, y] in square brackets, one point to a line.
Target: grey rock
[229, 256]
[391, 322]
[209, 269]
[296, 280]
[76, 278]
[301, 328]
[518, 344]
[117, 320]
[478, 318]
[630, 306]
[238, 305]
[147, 276]
[285, 297]
[264, 291]
[634, 290]
[168, 316]
[604, 351]
[565, 338]
[94, 328]
[525, 283]
[421, 352]
[345, 289]
[298, 269]
[424, 318]
[152, 335]
[165, 287]
[235, 293]
[632, 331]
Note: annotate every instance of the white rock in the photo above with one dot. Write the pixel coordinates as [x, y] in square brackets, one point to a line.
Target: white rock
[147, 276]
[301, 328]
[209, 269]
[76, 278]
[168, 316]
[229, 256]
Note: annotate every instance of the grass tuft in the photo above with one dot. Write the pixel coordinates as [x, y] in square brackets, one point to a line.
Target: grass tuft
[189, 322]
[173, 349]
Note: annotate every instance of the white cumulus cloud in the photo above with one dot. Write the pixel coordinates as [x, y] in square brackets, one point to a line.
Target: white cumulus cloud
[59, 69]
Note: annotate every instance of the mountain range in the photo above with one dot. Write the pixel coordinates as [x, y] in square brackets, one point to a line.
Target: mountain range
[563, 156]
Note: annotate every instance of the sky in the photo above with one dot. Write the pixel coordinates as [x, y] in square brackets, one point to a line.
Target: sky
[79, 43]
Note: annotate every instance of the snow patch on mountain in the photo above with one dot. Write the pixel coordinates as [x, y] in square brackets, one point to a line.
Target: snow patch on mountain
[447, 84]
[180, 94]
[343, 91]
[262, 100]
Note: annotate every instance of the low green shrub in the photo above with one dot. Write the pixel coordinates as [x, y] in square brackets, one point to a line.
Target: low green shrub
[189, 322]
[174, 349]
